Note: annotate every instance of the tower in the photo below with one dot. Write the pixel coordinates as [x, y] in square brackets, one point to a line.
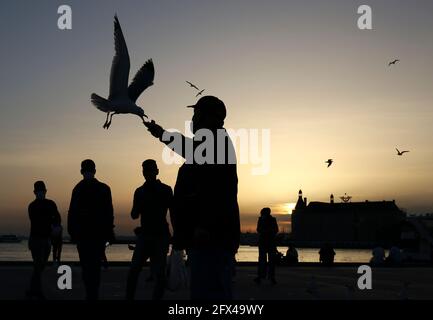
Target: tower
[301, 203]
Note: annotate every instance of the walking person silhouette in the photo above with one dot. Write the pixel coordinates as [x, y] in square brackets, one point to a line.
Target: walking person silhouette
[151, 202]
[90, 225]
[205, 210]
[43, 216]
[267, 228]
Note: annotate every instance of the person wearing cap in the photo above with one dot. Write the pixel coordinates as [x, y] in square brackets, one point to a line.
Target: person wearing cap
[43, 215]
[151, 202]
[90, 225]
[205, 211]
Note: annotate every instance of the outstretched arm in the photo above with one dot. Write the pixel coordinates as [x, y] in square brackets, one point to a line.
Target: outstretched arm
[174, 140]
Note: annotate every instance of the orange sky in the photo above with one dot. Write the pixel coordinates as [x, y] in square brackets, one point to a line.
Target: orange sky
[301, 69]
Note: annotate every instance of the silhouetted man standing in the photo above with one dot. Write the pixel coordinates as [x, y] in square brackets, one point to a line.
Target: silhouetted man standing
[151, 203]
[267, 228]
[205, 213]
[43, 216]
[90, 225]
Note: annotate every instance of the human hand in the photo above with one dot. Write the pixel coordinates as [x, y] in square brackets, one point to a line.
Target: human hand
[154, 129]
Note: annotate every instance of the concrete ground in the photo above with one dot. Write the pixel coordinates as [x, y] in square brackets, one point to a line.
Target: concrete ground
[294, 283]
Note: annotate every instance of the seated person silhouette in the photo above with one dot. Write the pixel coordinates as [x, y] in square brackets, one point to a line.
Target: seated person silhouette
[292, 255]
[327, 255]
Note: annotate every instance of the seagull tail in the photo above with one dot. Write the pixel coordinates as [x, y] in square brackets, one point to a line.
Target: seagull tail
[100, 103]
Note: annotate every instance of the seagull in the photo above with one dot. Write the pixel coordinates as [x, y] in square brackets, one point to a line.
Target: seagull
[193, 85]
[393, 62]
[200, 93]
[329, 162]
[400, 153]
[122, 99]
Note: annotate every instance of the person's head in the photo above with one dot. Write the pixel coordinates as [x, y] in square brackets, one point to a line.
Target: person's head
[39, 190]
[209, 113]
[88, 169]
[265, 212]
[150, 170]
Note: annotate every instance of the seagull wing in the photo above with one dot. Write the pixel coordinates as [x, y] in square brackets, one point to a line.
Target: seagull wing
[120, 66]
[142, 80]
[193, 85]
[405, 151]
[398, 151]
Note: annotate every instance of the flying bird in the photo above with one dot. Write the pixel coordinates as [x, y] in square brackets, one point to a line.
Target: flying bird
[329, 162]
[400, 153]
[193, 85]
[122, 98]
[393, 62]
[200, 93]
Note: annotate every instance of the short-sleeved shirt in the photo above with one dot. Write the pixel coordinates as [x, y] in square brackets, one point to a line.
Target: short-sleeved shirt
[43, 215]
[151, 203]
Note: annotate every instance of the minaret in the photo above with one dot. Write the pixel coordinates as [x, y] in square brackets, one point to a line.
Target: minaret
[301, 203]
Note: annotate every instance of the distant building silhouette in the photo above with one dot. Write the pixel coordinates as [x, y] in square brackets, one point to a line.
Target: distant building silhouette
[368, 221]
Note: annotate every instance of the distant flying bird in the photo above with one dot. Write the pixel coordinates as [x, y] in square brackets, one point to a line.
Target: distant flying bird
[200, 93]
[122, 99]
[400, 153]
[393, 62]
[192, 85]
[329, 162]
